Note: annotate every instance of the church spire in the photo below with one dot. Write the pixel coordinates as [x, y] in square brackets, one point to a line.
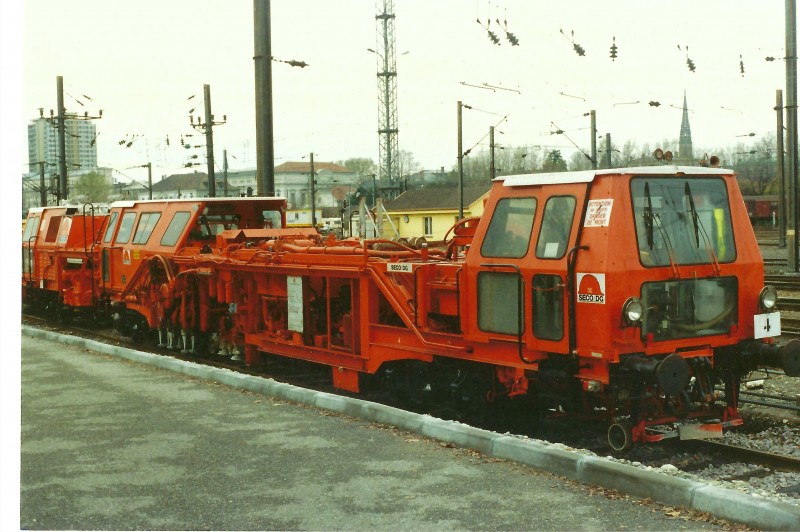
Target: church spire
[685, 142]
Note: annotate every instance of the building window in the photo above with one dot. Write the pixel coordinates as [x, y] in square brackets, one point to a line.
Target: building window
[427, 223]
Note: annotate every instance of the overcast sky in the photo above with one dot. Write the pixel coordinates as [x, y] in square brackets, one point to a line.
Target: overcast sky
[140, 61]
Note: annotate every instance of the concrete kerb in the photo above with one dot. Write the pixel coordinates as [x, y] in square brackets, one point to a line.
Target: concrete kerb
[743, 508]
[721, 502]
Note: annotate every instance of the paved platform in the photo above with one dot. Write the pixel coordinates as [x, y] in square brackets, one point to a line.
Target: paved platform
[110, 443]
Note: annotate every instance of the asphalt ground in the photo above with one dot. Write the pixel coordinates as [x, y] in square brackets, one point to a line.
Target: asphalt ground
[111, 444]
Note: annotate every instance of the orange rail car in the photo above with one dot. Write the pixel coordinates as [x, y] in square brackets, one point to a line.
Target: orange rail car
[58, 258]
[625, 295]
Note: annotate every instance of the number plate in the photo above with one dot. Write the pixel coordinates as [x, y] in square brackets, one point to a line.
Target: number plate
[767, 325]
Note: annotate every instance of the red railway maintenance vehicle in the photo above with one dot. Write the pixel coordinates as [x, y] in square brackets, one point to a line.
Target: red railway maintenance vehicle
[623, 295]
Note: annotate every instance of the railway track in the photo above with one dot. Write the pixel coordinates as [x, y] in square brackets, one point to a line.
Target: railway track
[788, 283]
[790, 327]
[755, 457]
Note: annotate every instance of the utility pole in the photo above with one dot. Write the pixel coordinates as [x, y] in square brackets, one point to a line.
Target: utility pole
[593, 128]
[225, 171]
[42, 189]
[60, 120]
[313, 194]
[608, 149]
[791, 133]
[492, 169]
[781, 173]
[208, 128]
[62, 143]
[265, 152]
[460, 166]
[149, 167]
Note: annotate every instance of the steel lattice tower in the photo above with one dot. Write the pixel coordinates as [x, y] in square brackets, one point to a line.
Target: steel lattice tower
[387, 96]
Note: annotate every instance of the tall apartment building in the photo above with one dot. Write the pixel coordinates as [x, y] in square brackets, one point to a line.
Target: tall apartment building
[80, 148]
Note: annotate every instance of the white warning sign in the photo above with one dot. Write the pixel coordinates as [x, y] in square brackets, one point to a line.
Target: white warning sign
[598, 213]
[294, 293]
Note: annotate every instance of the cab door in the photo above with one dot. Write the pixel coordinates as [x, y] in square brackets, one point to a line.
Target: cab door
[117, 258]
[549, 275]
[496, 269]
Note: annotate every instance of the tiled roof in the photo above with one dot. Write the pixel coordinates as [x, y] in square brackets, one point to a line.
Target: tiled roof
[434, 198]
[193, 181]
[305, 167]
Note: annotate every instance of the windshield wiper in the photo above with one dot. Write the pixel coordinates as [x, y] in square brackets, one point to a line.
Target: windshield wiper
[648, 215]
[699, 228]
[687, 191]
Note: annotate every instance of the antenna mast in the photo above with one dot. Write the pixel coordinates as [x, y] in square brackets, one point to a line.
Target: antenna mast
[387, 98]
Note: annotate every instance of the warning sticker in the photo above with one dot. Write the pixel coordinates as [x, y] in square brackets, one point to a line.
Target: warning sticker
[126, 256]
[598, 213]
[591, 288]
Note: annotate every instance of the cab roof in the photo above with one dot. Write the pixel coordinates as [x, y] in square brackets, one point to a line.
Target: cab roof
[586, 176]
[131, 203]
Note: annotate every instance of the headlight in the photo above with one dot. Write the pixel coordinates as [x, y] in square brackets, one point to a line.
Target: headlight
[632, 310]
[768, 297]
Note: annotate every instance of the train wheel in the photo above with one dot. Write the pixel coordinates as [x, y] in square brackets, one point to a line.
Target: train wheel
[408, 383]
[620, 436]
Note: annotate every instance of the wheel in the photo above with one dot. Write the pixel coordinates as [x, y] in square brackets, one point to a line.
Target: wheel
[620, 436]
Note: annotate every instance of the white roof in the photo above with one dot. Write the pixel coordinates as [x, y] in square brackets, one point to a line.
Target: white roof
[585, 176]
[131, 203]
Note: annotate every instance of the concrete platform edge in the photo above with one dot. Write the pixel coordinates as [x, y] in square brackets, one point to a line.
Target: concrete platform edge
[720, 502]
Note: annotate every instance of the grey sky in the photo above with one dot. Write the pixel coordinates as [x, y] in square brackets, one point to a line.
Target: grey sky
[140, 61]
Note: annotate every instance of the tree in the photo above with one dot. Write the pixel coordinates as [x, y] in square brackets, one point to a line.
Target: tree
[93, 186]
[756, 166]
[554, 162]
[578, 161]
[359, 165]
[406, 164]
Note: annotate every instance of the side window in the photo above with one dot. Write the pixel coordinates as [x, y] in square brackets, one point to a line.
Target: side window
[548, 307]
[31, 227]
[175, 228]
[147, 221]
[112, 224]
[125, 228]
[556, 225]
[499, 303]
[509, 231]
[52, 229]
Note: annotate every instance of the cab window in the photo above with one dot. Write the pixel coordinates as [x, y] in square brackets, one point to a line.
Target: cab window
[556, 225]
[31, 227]
[272, 219]
[175, 228]
[125, 227]
[147, 222]
[509, 231]
[112, 224]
